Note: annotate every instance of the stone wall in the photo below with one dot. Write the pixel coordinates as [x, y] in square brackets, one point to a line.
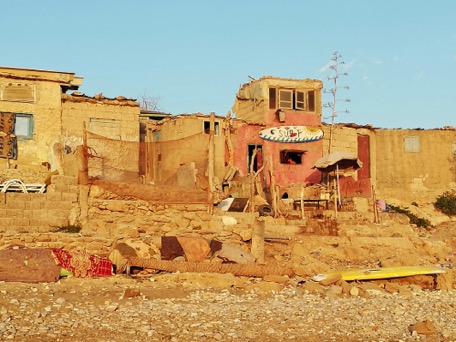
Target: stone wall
[35, 212]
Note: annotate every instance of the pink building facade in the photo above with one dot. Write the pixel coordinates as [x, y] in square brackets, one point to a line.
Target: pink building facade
[282, 127]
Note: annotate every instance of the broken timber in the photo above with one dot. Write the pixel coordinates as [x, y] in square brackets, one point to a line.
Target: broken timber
[252, 270]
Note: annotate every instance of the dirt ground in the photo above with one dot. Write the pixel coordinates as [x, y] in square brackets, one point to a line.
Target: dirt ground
[161, 306]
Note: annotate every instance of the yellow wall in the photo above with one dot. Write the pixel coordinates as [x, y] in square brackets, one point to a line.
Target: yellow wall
[181, 141]
[396, 172]
[58, 120]
[113, 133]
[46, 111]
[431, 168]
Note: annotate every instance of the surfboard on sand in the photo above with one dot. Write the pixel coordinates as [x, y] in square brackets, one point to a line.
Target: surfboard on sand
[381, 273]
[291, 134]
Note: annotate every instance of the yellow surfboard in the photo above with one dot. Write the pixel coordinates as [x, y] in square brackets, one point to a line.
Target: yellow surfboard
[381, 273]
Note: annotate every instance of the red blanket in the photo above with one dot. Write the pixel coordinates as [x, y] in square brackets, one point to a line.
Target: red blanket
[82, 264]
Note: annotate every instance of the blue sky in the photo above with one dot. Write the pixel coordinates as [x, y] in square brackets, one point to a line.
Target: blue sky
[400, 55]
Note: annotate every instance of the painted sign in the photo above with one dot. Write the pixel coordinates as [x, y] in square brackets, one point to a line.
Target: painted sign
[292, 134]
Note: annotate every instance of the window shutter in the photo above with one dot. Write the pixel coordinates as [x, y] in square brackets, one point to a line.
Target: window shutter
[300, 100]
[286, 99]
[8, 141]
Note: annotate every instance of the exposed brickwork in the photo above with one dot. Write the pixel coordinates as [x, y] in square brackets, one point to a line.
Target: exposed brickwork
[35, 212]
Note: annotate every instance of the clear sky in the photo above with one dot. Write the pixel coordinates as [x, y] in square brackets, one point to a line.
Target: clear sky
[400, 55]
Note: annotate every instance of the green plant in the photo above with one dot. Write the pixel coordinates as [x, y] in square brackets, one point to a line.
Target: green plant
[446, 203]
[69, 228]
[419, 221]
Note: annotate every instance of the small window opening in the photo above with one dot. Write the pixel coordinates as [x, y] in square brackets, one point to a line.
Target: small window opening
[272, 98]
[292, 157]
[207, 127]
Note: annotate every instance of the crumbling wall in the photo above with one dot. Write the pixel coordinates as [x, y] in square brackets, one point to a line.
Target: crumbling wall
[415, 162]
[113, 135]
[344, 139]
[252, 99]
[184, 141]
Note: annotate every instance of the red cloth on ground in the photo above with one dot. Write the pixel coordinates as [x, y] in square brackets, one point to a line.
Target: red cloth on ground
[82, 264]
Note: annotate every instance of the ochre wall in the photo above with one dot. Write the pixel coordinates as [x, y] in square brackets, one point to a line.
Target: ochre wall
[395, 172]
[46, 111]
[432, 168]
[181, 141]
[117, 148]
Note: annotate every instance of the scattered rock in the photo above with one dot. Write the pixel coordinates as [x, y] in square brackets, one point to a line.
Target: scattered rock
[332, 279]
[423, 328]
[131, 293]
[354, 291]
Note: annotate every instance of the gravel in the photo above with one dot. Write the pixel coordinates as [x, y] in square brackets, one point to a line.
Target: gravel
[96, 310]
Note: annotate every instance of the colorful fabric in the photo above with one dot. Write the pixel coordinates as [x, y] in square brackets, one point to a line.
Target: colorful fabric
[82, 264]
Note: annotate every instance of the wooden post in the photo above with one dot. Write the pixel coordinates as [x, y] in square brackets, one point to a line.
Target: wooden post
[258, 240]
[210, 166]
[252, 182]
[82, 153]
[335, 197]
[374, 199]
[302, 202]
[274, 200]
[228, 141]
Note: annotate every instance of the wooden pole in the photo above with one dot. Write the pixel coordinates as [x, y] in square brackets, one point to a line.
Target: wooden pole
[375, 208]
[252, 182]
[83, 156]
[210, 166]
[228, 141]
[338, 184]
[257, 249]
[274, 200]
[302, 202]
[335, 196]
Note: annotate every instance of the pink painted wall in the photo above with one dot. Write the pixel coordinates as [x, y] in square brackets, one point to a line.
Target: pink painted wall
[285, 174]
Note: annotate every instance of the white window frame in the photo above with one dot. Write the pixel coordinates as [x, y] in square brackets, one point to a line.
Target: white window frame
[301, 105]
[24, 126]
[285, 103]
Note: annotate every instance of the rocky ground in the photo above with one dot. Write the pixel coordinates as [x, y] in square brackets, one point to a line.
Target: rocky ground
[208, 307]
[164, 306]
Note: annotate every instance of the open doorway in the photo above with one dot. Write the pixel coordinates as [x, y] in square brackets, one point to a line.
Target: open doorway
[258, 163]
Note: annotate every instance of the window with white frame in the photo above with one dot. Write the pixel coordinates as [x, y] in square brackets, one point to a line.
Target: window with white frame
[24, 126]
[293, 99]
